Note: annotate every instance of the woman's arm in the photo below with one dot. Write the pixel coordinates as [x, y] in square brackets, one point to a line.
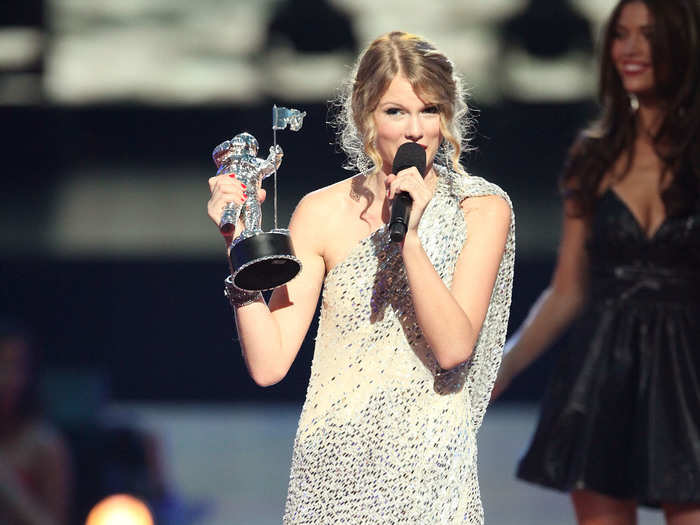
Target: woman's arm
[271, 336]
[556, 307]
[451, 319]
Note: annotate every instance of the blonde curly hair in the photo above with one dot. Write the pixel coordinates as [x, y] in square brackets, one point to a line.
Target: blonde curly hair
[433, 78]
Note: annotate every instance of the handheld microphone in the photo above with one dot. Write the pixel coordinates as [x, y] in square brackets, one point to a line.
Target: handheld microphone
[408, 155]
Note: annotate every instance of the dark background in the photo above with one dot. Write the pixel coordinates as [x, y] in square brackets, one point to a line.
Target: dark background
[160, 328]
[157, 328]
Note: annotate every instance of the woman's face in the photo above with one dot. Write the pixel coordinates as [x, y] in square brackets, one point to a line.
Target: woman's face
[631, 49]
[402, 116]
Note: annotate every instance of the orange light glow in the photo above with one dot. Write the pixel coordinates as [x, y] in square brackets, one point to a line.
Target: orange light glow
[120, 509]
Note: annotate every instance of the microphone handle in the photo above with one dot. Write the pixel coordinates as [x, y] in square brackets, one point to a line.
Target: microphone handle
[400, 212]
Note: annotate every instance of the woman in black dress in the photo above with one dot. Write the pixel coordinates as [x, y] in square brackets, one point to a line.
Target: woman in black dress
[620, 423]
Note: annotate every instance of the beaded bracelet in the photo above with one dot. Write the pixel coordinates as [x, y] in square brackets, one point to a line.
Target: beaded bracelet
[238, 297]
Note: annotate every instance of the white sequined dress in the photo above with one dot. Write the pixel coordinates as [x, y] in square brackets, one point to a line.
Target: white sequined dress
[385, 436]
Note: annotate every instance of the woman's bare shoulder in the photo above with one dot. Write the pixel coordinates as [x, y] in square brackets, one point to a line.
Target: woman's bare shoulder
[328, 200]
[494, 206]
[321, 214]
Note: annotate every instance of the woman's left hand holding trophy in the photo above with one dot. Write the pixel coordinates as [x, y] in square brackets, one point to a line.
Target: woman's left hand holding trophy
[225, 188]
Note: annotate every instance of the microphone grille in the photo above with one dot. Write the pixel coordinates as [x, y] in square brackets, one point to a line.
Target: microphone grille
[408, 155]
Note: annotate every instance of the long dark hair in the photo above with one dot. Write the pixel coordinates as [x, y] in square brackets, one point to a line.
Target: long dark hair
[675, 46]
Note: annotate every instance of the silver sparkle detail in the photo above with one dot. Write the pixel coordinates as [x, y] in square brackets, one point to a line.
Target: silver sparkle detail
[385, 435]
[281, 117]
[239, 156]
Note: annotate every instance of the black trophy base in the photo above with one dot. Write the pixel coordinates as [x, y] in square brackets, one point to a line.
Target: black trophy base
[264, 261]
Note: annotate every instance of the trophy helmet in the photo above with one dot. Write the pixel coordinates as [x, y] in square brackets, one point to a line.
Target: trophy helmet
[244, 144]
[222, 153]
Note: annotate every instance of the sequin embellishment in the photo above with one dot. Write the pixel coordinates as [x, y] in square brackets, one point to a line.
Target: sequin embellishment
[385, 435]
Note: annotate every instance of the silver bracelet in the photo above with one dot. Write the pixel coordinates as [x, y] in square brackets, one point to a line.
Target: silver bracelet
[238, 297]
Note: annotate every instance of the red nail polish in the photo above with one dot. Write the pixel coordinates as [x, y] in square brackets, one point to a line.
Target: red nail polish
[243, 186]
[233, 176]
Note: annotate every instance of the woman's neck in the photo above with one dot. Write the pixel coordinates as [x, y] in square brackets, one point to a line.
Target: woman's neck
[649, 118]
[376, 182]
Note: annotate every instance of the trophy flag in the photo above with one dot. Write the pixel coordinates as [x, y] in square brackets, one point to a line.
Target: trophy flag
[283, 116]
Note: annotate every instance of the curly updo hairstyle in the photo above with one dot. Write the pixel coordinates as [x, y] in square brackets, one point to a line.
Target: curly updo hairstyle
[433, 79]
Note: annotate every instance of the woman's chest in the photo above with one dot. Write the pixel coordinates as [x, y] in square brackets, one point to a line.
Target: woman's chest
[348, 231]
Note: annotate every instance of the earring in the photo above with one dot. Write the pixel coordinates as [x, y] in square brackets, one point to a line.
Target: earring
[634, 102]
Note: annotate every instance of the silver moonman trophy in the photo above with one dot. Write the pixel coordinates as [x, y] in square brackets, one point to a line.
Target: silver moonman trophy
[259, 260]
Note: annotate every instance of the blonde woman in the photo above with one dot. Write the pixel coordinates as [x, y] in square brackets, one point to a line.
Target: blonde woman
[410, 333]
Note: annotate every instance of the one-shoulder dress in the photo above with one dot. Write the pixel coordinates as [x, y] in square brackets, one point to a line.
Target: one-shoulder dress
[385, 436]
[621, 415]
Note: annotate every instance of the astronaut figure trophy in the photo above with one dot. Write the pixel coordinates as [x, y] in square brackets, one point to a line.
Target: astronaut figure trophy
[259, 260]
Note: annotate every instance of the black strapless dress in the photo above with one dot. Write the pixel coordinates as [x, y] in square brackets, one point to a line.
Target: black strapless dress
[621, 415]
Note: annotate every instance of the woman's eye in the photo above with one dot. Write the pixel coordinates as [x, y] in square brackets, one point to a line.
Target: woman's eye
[431, 109]
[393, 111]
[618, 34]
